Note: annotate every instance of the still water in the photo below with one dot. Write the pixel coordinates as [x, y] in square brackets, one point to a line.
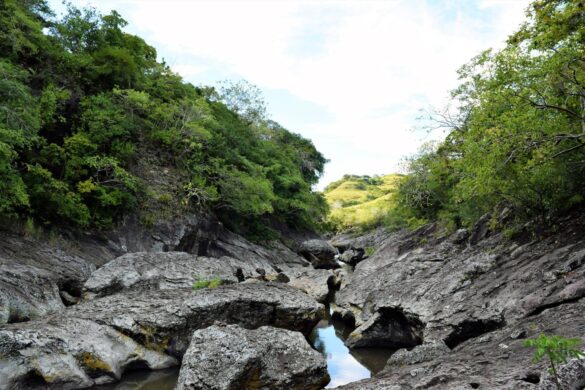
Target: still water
[346, 365]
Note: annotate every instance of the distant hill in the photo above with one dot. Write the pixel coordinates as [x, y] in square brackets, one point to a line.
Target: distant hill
[360, 202]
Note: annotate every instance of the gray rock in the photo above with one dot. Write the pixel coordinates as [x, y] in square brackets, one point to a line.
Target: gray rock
[352, 255]
[571, 376]
[33, 271]
[460, 236]
[275, 257]
[389, 327]
[473, 300]
[165, 319]
[320, 253]
[422, 353]
[230, 357]
[68, 354]
[481, 229]
[95, 341]
[372, 239]
[315, 282]
[163, 271]
[280, 277]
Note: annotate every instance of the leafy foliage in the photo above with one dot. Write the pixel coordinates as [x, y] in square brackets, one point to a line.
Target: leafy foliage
[93, 128]
[557, 349]
[517, 135]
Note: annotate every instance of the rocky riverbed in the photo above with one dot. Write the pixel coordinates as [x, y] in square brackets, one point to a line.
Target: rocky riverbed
[81, 311]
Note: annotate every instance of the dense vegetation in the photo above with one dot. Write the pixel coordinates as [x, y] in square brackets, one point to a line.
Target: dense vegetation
[93, 128]
[360, 202]
[517, 136]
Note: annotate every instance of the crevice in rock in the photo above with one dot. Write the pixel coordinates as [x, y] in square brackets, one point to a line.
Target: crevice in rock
[32, 380]
[541, 308]
[70, 292]
[14, 318]
[189, 243]
[389, 327]
[138, 365]
[474, 385]
[531, 377]
[470, 329]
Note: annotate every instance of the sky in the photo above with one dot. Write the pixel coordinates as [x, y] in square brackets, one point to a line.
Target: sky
[352, 76]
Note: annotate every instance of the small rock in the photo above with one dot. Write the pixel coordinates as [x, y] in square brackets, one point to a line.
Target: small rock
[352, 256]
[460, 236]
[518, 334]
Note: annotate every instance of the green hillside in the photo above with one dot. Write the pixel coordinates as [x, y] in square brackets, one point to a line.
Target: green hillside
[93, 128]
[360, 201]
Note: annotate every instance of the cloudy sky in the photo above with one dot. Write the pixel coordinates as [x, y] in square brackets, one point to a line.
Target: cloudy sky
[350, 75]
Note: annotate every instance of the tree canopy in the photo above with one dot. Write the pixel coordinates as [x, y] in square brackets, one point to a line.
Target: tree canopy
[518, 135]
[94, 128]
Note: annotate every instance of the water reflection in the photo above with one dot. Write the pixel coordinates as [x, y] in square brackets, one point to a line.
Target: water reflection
[346, 365]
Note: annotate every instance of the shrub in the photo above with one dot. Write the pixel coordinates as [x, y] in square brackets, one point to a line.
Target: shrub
[558, 350]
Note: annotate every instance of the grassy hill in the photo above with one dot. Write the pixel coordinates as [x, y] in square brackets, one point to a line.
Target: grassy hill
[360, 202]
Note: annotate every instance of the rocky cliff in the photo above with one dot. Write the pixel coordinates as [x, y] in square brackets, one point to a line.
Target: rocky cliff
[458, 307]
[81, 310]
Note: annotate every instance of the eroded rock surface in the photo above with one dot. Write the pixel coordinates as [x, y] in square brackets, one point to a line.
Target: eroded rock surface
[496, 360]
[317, 283]
[352, 255]
[163, 271]
[95, 341]
[223, 357]
[33, 273]
[70, 353]
[476, 299]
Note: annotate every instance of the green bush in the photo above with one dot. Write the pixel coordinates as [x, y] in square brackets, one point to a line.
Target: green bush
[557, 349]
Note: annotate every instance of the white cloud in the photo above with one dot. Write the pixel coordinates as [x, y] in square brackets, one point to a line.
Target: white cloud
[361, 61]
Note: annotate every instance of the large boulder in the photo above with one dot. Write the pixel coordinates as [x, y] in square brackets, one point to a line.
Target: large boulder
[166, 319]
[320, 253]
[163, 271]
[42, 272]
[390, 328]
[223, 357]
[70, 353]
[40, 276]
[95, 341]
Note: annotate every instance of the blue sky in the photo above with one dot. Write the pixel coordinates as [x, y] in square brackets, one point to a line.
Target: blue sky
[350, 75]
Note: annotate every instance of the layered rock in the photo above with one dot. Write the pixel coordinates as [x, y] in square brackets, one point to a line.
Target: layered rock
[38, 278]
[463, 295]
[70, 353]
[163, 271]
[95, 341]
[223, 357]
[496, 360]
